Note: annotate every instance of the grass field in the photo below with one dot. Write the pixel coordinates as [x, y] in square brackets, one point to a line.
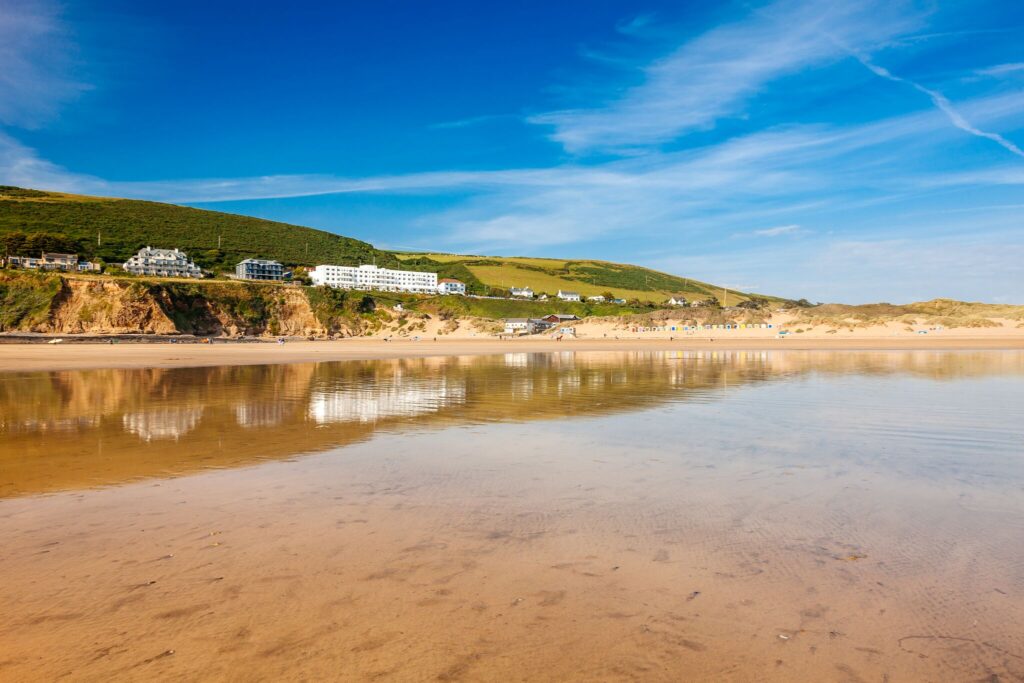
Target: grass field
[588, 277]
[522, 260]
[509, 275]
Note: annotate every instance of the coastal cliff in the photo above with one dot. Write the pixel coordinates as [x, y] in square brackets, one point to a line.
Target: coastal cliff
[57, 304]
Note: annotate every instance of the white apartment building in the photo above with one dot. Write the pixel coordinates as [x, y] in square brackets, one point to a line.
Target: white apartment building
[367, 277]
[162, 263]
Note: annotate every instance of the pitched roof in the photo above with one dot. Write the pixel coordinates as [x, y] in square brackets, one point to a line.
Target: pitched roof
[449, 279]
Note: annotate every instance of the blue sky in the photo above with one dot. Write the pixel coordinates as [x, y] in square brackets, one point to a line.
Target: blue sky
[854, 151]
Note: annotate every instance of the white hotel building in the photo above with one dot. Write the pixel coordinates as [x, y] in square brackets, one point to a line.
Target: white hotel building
[373, 278]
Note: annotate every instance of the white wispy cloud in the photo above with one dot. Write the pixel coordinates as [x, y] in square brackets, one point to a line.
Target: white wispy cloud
[1002, 69]
[942, 103]
[988, 266]
[635, 24]
[22, 166]
[35, 59]
[735, 185]
[713, 75]
[469, 121]
[778, 230]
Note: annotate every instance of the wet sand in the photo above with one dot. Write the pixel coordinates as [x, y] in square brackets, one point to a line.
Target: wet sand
[78, 356]
[767, 517]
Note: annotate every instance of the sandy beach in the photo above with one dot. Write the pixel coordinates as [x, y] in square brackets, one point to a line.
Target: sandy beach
[79, 355]
[705, 515]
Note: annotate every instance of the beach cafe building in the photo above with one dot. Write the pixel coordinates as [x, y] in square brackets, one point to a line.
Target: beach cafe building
[526, 325]
[559, 318]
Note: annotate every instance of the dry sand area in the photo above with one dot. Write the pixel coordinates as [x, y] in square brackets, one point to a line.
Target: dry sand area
[77, 356]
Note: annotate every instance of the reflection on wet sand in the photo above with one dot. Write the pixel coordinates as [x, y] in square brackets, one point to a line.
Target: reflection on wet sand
[758, 516]
[66, 430]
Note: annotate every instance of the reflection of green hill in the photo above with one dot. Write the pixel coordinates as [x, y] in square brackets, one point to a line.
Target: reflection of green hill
[73, 429]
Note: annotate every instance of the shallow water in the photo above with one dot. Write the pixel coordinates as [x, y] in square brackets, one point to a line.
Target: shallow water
[603, 516]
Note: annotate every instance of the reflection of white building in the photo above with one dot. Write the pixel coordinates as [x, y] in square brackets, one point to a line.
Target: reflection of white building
[368, 277]
[163, 423]
[569, 383]
[260, 414]
[517, 360]
[397, 397]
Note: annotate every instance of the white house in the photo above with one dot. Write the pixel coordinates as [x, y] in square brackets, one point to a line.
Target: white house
[525, 325]
[524, 292]
[53, 261]
[596, 299]
[568, 296]
[162, 263]
[368, 277]
[449, 285]
[676, 301]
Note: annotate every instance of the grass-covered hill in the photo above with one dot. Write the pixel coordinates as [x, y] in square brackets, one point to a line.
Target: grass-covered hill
[587, 277]
[113, 229]
[56, 222]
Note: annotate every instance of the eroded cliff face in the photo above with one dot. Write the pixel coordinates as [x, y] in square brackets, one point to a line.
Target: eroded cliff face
[104, 307]
[55, 304]
[294, 315]
[232, 310]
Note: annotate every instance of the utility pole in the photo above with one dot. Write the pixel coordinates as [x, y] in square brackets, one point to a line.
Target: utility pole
[99, 238]
[218, 242]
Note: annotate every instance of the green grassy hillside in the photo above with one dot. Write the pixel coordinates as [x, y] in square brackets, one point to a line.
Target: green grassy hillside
[124, 225]
[587, 277]
[113, 229]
